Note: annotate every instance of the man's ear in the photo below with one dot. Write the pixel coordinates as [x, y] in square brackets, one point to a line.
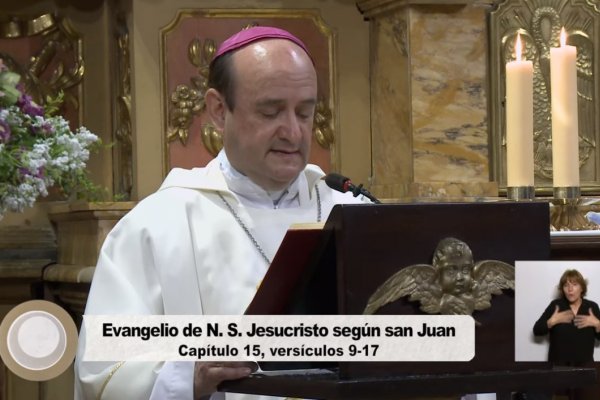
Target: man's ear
[216, 107]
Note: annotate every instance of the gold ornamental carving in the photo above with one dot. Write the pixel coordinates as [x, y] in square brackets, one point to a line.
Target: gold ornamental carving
[17, 28]
[539, 23]
[594, 4]
[574, 214]
[57, 66]
[322, 128]
[212, 139]
[453, 284]
[122, 136]
[187, 101]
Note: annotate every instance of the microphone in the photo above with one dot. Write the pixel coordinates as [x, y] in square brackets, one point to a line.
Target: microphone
[342, 184]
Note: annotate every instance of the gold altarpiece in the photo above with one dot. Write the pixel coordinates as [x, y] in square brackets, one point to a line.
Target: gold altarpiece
[539, 22]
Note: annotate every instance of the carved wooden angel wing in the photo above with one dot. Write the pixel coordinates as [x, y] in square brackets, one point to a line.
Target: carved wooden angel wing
[453, 305]
[490, 277]
[416, 281]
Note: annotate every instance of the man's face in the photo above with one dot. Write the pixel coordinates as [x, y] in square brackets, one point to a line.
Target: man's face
[267, 136]
[456, 274]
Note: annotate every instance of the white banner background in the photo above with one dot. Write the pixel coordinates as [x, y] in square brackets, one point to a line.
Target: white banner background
[234, 338]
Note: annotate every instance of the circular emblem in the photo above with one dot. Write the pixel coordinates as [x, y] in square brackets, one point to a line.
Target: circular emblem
[38, 340]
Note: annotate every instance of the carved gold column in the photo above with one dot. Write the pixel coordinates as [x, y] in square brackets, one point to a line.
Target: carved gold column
[121, 109]
[428, 103]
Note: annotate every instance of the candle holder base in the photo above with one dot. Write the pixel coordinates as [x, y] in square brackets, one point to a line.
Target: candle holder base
[567, 193]
[518, 193]
[570, 214]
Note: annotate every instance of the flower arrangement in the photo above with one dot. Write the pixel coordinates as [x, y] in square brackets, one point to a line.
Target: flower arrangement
[37, 148]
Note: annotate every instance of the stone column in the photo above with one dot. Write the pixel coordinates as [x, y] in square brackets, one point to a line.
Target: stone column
[428, 98]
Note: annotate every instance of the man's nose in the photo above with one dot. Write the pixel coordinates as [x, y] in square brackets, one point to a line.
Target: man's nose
[290, 128]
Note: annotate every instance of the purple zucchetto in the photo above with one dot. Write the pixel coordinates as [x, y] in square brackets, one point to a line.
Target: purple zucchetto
[250, 35]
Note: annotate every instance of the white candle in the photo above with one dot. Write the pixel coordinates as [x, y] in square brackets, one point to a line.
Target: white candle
[565, 131]
[519, 120]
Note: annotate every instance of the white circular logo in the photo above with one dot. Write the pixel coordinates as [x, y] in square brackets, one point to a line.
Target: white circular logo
[38, 340]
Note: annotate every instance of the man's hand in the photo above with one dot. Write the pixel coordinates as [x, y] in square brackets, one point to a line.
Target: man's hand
[208, 375]
[560, 317]
[584, 321]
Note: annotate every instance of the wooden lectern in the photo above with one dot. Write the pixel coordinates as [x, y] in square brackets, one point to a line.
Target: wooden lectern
[360, 247]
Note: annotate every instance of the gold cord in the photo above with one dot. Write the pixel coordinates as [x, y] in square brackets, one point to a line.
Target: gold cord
[109, 377]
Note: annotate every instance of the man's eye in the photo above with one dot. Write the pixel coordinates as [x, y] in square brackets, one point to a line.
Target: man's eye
[305, 114]
[269, 114]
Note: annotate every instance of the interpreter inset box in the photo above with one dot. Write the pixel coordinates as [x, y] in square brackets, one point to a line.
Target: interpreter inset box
[536, 287]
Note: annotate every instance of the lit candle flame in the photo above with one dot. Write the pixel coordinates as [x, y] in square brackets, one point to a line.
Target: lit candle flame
[518, 48]
[563, 37]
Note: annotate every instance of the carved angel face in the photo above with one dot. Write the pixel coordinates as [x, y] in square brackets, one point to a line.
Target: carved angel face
[456, 274]
[452, 284]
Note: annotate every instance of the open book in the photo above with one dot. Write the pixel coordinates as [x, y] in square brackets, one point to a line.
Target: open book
[277, 288]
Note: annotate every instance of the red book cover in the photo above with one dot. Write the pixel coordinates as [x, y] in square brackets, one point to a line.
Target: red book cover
[293, 256]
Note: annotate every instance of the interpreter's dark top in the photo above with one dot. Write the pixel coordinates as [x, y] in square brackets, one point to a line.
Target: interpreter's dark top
[568, 343]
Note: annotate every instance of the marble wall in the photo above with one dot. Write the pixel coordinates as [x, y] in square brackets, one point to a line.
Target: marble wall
[429, 106]
[448, 72]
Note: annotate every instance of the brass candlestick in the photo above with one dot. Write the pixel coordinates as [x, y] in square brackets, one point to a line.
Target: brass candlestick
[519, 193]
[567, 193]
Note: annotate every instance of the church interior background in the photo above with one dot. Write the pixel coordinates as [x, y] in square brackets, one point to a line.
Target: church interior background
[410, 104]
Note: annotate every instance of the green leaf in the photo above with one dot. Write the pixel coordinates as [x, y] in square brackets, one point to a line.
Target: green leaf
[8, 78]
[10, 97]
[53, 104]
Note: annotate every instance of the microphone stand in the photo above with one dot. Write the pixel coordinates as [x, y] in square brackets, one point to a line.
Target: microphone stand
[356, 190]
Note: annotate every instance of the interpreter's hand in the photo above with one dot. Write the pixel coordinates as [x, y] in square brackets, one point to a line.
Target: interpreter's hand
[208, 375]
[590, 320]
[560, 317]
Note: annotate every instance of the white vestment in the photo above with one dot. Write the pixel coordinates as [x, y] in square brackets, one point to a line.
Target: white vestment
[181, 251]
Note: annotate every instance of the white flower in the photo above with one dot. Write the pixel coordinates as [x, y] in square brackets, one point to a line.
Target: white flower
[38, 185]
[39, 152]
[86, 137]
[36, 158]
